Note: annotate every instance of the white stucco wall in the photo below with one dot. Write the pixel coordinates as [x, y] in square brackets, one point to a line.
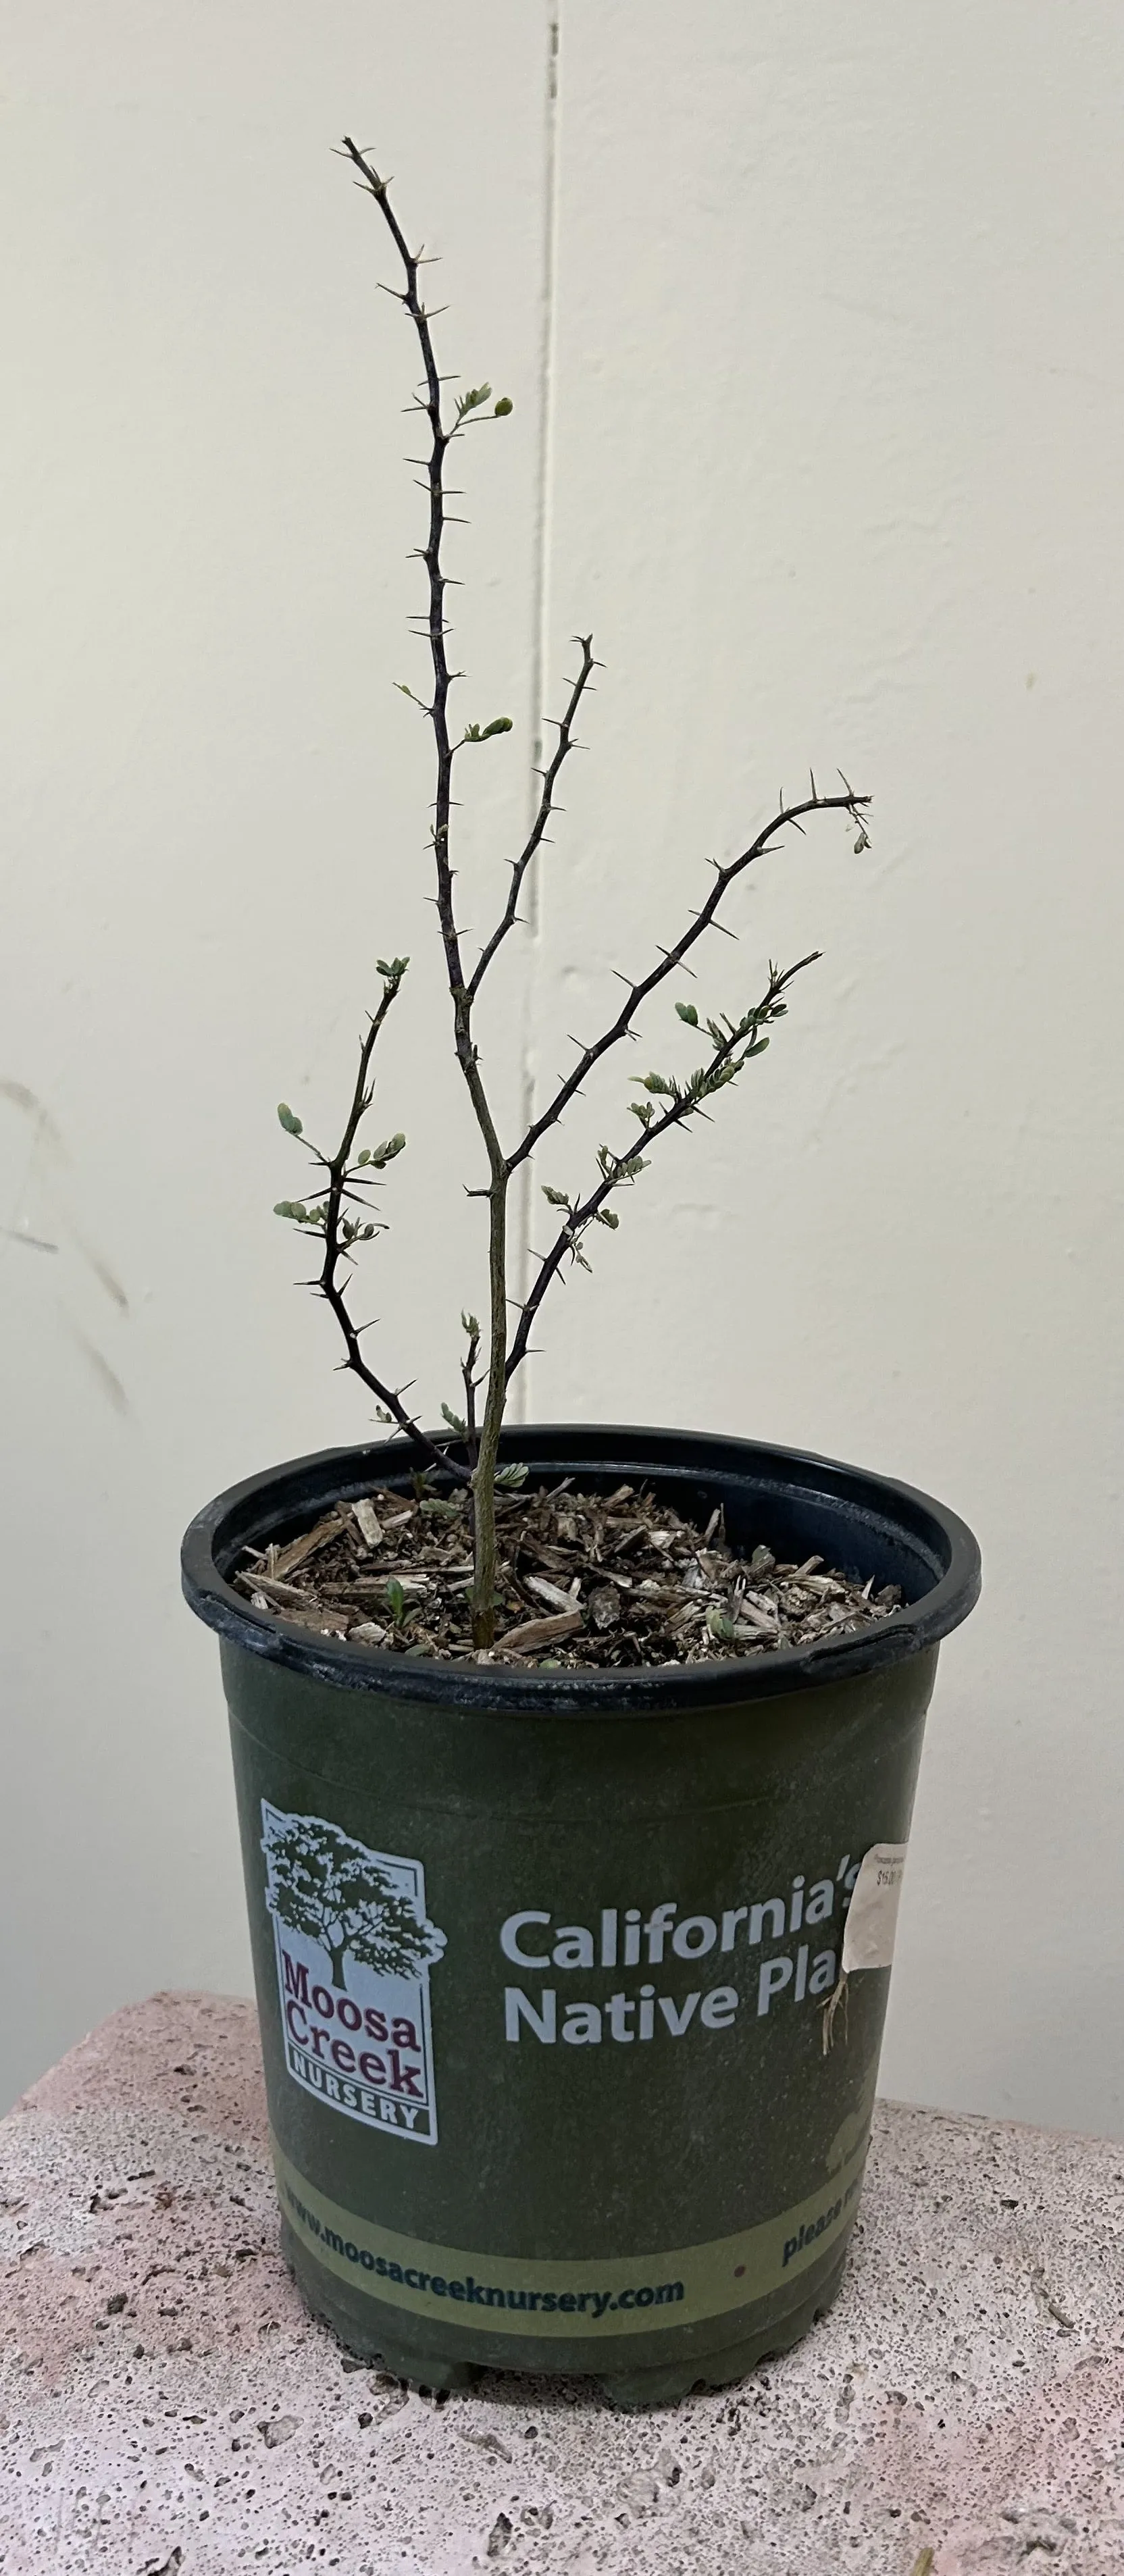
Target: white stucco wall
[813, 326]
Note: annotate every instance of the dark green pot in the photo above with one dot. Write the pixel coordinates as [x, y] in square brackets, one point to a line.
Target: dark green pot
[604, 2124]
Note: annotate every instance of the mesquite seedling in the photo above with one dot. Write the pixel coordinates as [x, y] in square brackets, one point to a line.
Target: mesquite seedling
[467, 1452]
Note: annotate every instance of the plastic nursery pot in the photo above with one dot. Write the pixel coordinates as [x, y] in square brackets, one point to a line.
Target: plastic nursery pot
[546, 1961]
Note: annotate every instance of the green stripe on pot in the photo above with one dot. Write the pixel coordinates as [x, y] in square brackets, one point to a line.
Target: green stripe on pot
[679, 2287]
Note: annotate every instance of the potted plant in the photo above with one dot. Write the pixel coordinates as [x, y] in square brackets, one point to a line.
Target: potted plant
[575, 1765]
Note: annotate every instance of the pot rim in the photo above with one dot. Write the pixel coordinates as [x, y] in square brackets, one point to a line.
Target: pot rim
[262, 1505]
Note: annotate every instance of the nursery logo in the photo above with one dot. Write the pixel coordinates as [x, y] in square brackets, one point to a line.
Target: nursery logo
[354, 1950]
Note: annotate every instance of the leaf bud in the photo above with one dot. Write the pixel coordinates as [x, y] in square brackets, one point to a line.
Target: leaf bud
[503, 407]
[292, 1125]
[688, 1012]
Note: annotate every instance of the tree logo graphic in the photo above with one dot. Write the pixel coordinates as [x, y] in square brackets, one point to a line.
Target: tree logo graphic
[354, 1948]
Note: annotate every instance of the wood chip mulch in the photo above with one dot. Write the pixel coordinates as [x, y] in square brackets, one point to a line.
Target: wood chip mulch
[586, 1581]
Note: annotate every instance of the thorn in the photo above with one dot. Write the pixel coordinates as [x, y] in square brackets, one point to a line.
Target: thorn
[812, 776]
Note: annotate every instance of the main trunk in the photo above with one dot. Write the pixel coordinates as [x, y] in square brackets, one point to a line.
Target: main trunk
[484, 1476]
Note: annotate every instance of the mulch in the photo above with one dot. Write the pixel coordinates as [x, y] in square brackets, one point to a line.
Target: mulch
[586, 1581]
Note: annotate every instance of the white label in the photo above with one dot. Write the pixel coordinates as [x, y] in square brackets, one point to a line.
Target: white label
[872, 1916]
[354, 1951]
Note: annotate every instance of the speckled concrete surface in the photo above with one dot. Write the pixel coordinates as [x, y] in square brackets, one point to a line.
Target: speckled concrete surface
[166, 2405]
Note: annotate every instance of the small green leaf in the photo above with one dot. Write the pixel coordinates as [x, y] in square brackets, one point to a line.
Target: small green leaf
[510, 1478]
[503, 407]
[499, 724]
[292, 1125]
[470, 1325]
[472, 400]
[454, 1420]
[393, 971]
[608, 1216]
[395, 1600]
[655, 1082]
[284, 1207]
[557, 1198]
[688, 1012]
[383, 1154]
[758, 1047]
[721, 1626]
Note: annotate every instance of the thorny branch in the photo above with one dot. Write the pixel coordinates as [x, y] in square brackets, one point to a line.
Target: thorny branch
[520, 865]
[626, 1167]
[350, 1181]
[670, 958]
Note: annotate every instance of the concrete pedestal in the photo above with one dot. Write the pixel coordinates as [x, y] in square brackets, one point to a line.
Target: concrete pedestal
[167, 2406]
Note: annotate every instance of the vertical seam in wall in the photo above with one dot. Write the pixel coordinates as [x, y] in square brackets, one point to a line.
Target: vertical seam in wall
[539, 653]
